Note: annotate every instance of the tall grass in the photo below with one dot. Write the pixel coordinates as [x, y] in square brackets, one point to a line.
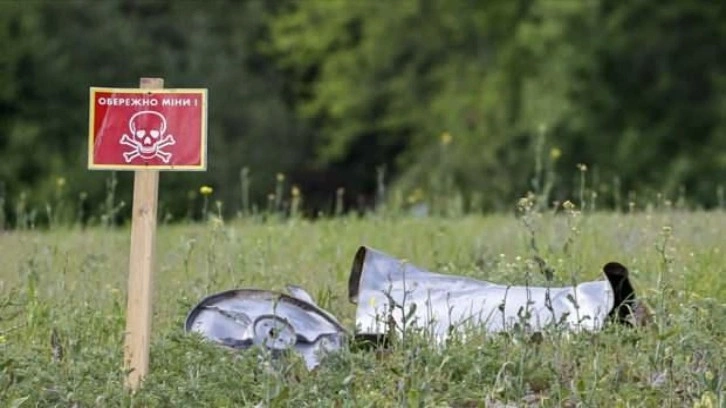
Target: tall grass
[62, 310]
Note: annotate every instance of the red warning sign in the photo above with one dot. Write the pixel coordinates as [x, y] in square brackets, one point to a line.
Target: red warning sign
[131, 129]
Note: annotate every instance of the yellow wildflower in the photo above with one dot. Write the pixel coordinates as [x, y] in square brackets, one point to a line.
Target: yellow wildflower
[416, 196]
[568, 205]
[206, 190]
[280, 177]
[372, 302]
[295, 191]
[60, 182]
[708, 400]
[446, 138]
[555, 153]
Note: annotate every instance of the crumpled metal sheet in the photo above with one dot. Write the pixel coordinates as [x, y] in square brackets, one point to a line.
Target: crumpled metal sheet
[243, 318]
[388, 290]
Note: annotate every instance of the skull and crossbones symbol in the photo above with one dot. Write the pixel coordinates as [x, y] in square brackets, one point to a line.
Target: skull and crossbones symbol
[147, 137]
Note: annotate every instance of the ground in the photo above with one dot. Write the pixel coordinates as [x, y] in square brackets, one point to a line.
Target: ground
[62, 313]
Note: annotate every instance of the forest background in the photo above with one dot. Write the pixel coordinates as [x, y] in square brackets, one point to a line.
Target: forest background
[441, 106]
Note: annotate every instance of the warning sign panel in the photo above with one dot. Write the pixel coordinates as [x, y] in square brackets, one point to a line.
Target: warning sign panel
[131, 129]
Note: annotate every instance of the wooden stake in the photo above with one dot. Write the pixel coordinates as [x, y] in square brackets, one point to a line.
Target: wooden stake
[141, 267]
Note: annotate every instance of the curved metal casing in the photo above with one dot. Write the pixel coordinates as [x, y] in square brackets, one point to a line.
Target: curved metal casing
[243, 318]
[388, 290]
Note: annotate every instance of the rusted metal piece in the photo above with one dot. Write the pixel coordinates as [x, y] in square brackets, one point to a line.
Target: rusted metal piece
[392, 294]
[273, 321]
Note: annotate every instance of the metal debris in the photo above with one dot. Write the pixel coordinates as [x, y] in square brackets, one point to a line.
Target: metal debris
[388, 289]
[392, 295]
[244, 318]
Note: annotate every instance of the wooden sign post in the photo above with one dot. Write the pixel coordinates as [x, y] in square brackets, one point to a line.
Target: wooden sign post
[141, 267]
[146, 130]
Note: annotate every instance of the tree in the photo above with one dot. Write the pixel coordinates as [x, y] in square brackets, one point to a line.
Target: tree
[58, 50]
[617, 86]
[651, 98]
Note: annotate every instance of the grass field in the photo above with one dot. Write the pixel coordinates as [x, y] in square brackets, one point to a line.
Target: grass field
[73, 283]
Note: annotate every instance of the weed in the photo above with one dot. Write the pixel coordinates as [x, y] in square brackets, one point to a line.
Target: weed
[62, 297]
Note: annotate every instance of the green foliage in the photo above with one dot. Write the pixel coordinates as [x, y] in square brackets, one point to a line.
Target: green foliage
[651, 94]
[72, 283]
[612, 84]
[57, 50]
[379, 78]
[461, 99]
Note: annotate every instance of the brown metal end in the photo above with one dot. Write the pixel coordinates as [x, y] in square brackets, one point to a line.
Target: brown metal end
[624, 301]
[355, 274]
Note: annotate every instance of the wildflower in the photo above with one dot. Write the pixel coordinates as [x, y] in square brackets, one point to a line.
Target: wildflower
[707, 400]
[582, 167]
[372, 302]
[280, 177]
[295, 191]
[416, 196]
[555, 153]
[446, 138]
[206, 190]
[60, 182]
[568, 205]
